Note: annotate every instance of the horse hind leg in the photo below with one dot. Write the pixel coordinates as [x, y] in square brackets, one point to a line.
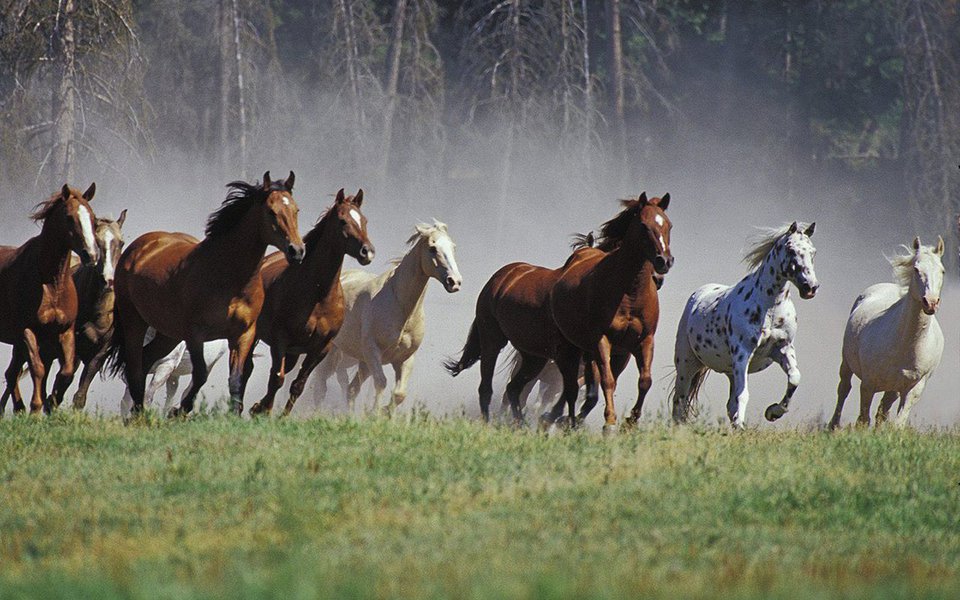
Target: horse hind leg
[402, 371]
[883, 409]
[866, 399]
[530, 367]
[310, 363]
[690, 372]
[843, 390]
[12, 376]
[280, 362]
[199, 377]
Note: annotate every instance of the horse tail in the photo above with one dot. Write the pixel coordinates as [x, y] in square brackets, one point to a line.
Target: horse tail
[692, 407]
[470, 354]
[116, 362]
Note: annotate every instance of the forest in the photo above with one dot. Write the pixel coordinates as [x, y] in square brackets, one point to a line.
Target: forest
[414, 94]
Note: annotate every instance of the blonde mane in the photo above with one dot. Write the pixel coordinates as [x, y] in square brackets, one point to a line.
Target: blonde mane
[420, 231]
[903, 263]
[764, 242]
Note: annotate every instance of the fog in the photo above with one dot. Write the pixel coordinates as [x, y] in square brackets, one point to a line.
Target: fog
[720, 194]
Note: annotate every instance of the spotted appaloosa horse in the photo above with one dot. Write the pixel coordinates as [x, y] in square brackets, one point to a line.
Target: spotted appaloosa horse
[746, 327]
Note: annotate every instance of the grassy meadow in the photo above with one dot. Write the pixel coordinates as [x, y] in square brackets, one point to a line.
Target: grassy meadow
[218, 507]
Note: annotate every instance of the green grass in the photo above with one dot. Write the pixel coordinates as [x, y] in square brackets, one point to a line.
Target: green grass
[334, 508]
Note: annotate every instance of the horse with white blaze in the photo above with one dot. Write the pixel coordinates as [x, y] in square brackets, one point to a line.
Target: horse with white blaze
[745, 328]
[892, 341]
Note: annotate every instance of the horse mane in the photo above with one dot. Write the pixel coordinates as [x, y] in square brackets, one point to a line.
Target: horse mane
[312, 238]
[764, 242]
[43, 209]
[240, 199]
[903, 264]
[582, 240]
[613, 231]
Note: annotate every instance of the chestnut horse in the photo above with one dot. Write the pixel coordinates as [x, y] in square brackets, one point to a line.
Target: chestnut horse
[606, 302]
[303, 308]
[38, 300]
[515, 306]
[195, 291]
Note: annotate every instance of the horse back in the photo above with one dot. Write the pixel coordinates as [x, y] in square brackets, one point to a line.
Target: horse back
[517, 298]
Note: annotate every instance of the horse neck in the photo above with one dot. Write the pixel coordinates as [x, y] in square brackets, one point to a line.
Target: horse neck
[241, 249]
[765, 287]
[408, 280]
[53, 263]
[620, 270]
[912, 323]
[324, 263]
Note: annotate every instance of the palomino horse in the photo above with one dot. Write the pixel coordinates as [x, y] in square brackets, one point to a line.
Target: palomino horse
[746, 327]
[303, 309]
[515, 306]
[167, 371]
[195, 291]
[892, 341]
[384, 321]
[38, 299]
[94, 326]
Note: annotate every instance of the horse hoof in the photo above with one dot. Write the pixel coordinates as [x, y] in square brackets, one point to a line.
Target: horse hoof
[256, 410]
[630, 422]
[774, 412]
[609, 430]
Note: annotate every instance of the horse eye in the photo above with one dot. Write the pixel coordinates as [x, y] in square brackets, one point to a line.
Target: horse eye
[433, 249]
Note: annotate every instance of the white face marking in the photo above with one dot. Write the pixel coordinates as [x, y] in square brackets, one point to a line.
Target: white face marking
[355, 216]
[108, 256]
[445, 258]
[659, 220]
[663, 244]
[86, 226]
[286, 201]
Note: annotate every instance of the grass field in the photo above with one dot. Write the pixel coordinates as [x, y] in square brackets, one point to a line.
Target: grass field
[218, 507]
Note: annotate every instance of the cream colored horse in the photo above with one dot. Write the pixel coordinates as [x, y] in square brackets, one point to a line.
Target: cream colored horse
[384, 321]
[892, 341]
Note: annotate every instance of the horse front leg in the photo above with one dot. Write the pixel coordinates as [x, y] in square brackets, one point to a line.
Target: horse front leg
[199, 377]
[373, 359]
[907, 401]
[787, 359]
[12, 377]
[644, 360]
[609, 384]
[67, 358]
[310, 362]
[591, 378]
[843, 390]
[37, 370]
[739, 394]
[402, 372]
[239, 351]
[279, 361]
[90, 370]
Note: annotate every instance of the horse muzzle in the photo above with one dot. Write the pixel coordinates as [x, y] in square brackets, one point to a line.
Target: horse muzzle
[662, 264]
[366, 254]
[808, 291]
[295, 253]
[930, 306]
[452, 284]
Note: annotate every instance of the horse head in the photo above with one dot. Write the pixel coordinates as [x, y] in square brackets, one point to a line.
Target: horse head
[109, 236]
[353, 226]
[279, 226]
[796, 264]
[438, 258]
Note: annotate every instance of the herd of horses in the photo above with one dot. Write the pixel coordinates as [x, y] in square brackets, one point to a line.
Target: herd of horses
[169, 304]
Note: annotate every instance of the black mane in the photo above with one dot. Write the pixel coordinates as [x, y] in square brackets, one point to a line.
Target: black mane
[241, 198]
[613, 231]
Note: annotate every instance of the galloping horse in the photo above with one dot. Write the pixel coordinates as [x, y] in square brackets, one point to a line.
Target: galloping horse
[384, 321]
[746, 327]
[303, 309]
[607, 298]
[515, 306]
[94, 326]
[195, 291]
[892, 341]
[38, 299]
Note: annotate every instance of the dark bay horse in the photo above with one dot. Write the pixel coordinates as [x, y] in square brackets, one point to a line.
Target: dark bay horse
[516, 305]
[38, 299]
[94, 326]
[198, 290]
[606, 302]
[303, 309]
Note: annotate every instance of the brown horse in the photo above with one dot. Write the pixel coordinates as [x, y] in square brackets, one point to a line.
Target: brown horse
[516, 306]
[38, 300]
[194, 291]
[606, 302]
[303, 309]
[94, 327]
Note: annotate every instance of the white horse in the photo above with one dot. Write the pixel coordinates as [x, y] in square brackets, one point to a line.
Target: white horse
[746, 327]
[384, 322]
[892, 341]
[168, 370]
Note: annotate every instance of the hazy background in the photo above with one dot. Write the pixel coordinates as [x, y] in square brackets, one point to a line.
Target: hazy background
[517, 123]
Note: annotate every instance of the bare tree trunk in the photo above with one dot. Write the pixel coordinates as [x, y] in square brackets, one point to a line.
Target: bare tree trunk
[240, 91]
[615, 69]
[587, 86]
[65, 99]
[392, 78]
[352, 75]
[226, 66]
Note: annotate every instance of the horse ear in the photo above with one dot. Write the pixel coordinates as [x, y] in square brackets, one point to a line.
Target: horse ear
[358, 199]
[289, 182]
[664, 201]
[793, 227]
[266, 180]
[340, 196]
[809, 230]
[65, 191]
[122, 218]
[940, 247]
[643, 198]
[88, 195]
[916, 243]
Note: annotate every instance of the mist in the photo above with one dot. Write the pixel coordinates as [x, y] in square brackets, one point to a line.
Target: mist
[512, 182]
